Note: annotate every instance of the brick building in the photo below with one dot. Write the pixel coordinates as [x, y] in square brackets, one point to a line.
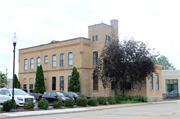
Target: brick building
[59, 57]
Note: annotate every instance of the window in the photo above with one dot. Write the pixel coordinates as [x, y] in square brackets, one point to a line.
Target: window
[25, 64]
[106, 37]
[38, 61]
[171, 87]
[62, 83]
[95, 58]
[112, 85]
[54, 61]
[138, 84]
[30, 86]
[95, 84]
[151, 82]
[70, 59]
[62, 60]
[45, 59]
[157, 82]
[69, 77]
[93, 38]
[32, 63]
[96, 37]
[24, 86]
[128, 83]
[53, 83]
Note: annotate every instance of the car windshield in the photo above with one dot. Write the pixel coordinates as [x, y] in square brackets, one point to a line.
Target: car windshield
[60, 94]
[78, 93]
[65, 94]
[19, 92]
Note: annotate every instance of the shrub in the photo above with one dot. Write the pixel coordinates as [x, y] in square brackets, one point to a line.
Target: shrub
[43, 104]
[118, 97]
[29, 105]
[102, 100]
[111, 100]
[8, 104]
[144, 99]
[69, 103]
[57, 104]
[82, 102]
[92, 102]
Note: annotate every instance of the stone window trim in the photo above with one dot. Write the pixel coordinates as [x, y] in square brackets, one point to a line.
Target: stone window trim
[46, 59]
[25, 64]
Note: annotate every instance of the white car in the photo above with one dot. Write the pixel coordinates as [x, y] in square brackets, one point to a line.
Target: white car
[20, 96]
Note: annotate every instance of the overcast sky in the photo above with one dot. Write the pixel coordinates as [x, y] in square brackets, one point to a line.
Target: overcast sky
[156, 22]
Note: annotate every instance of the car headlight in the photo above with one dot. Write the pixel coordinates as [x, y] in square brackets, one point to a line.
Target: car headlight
[20, 98]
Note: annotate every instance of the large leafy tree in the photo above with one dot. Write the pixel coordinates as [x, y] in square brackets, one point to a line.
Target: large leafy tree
[74, 85]
[3, 80]
[119, 60]
[165, 62]
[39, 81]
[16, 82]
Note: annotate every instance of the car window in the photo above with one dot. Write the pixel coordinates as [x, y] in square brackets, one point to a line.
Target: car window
[2, 92]
[71, 94]
[7, 92]
[60, 94]
[19, 92]
[47, 94]
[53, 94]
[78, 93]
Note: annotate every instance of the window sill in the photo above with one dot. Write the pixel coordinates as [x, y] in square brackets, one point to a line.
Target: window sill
[45, 62]
[95, 90]
[70, 65]
[128, 90]
[151, 90]
[53, 67]
[61, 66]
[157, 89]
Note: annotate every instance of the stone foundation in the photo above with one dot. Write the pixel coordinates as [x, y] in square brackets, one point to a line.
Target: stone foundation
[164, 95]
[155, 98]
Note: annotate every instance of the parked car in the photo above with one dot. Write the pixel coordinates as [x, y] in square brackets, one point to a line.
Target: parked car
[34, 93]
[52, 96]
[20, 96]
[75, 95]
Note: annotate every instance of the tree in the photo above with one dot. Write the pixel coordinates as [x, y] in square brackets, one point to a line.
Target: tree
[165, 62]
[74, 85]
[120, 60]
[39, 81]
[3, 80]
[16, 82]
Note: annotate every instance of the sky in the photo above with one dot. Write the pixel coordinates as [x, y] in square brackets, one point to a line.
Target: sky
[35, 22]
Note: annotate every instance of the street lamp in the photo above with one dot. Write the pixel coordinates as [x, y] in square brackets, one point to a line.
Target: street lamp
[14, 40]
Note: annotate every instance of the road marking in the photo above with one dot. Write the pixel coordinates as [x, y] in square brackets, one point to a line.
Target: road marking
[159, 115]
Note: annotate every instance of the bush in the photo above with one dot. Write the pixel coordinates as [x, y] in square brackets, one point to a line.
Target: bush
[57, 104]
[111, 100]
[82, 102]
[69, 103]
[43, 104]
[118, 97]
[29, 105]
[144, 99]
[102, 100]
[92, 102]
[8, 104]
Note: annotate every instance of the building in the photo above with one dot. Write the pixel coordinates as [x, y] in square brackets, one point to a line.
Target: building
[171, 83]
[59, 57]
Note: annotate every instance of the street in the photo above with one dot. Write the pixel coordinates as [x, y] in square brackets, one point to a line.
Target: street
[155, 111]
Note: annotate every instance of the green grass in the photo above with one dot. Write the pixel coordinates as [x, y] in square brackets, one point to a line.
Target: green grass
[129, 102]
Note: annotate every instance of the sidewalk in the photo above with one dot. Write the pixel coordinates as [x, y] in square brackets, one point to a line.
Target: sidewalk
[58, 111]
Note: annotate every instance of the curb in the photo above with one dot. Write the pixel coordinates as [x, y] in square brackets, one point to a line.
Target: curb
[3, 116]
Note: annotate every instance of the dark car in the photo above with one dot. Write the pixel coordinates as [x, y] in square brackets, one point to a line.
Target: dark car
[75, 95]
[52, 96]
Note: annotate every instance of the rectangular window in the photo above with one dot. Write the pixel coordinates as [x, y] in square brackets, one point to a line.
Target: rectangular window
[95, 58]
[38, 61]
[151, 82]
[46, 59]
[62, 60]
[70, 59]
[24, 86]
[30, 86]
[112, 85]
[54, 61]
[93, 38]
[69, 77]
[106, 37]
[128, 82]
[96, 37]
[25, 64]
[95, 84]
[157, 82]
[32, 63]
[53, 83]
[171, 87]
[62, 83]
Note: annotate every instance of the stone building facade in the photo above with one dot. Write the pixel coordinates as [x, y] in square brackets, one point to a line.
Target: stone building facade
[59, 57]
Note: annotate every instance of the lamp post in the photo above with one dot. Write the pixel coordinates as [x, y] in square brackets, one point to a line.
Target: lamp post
[14, 40]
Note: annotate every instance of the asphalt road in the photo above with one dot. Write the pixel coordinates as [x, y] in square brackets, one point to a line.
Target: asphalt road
[154, 111]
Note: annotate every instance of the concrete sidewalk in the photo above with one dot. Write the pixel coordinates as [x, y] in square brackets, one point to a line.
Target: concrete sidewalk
[71, 110]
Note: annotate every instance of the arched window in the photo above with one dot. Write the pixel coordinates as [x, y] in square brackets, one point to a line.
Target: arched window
[70, 59]
[62, 83]
[46, 59]
[25, 64]
[53, 83]
[95, 58]
[54, 61]
[157, 82]
[61, 59]
[38, 61]
[32, 63]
